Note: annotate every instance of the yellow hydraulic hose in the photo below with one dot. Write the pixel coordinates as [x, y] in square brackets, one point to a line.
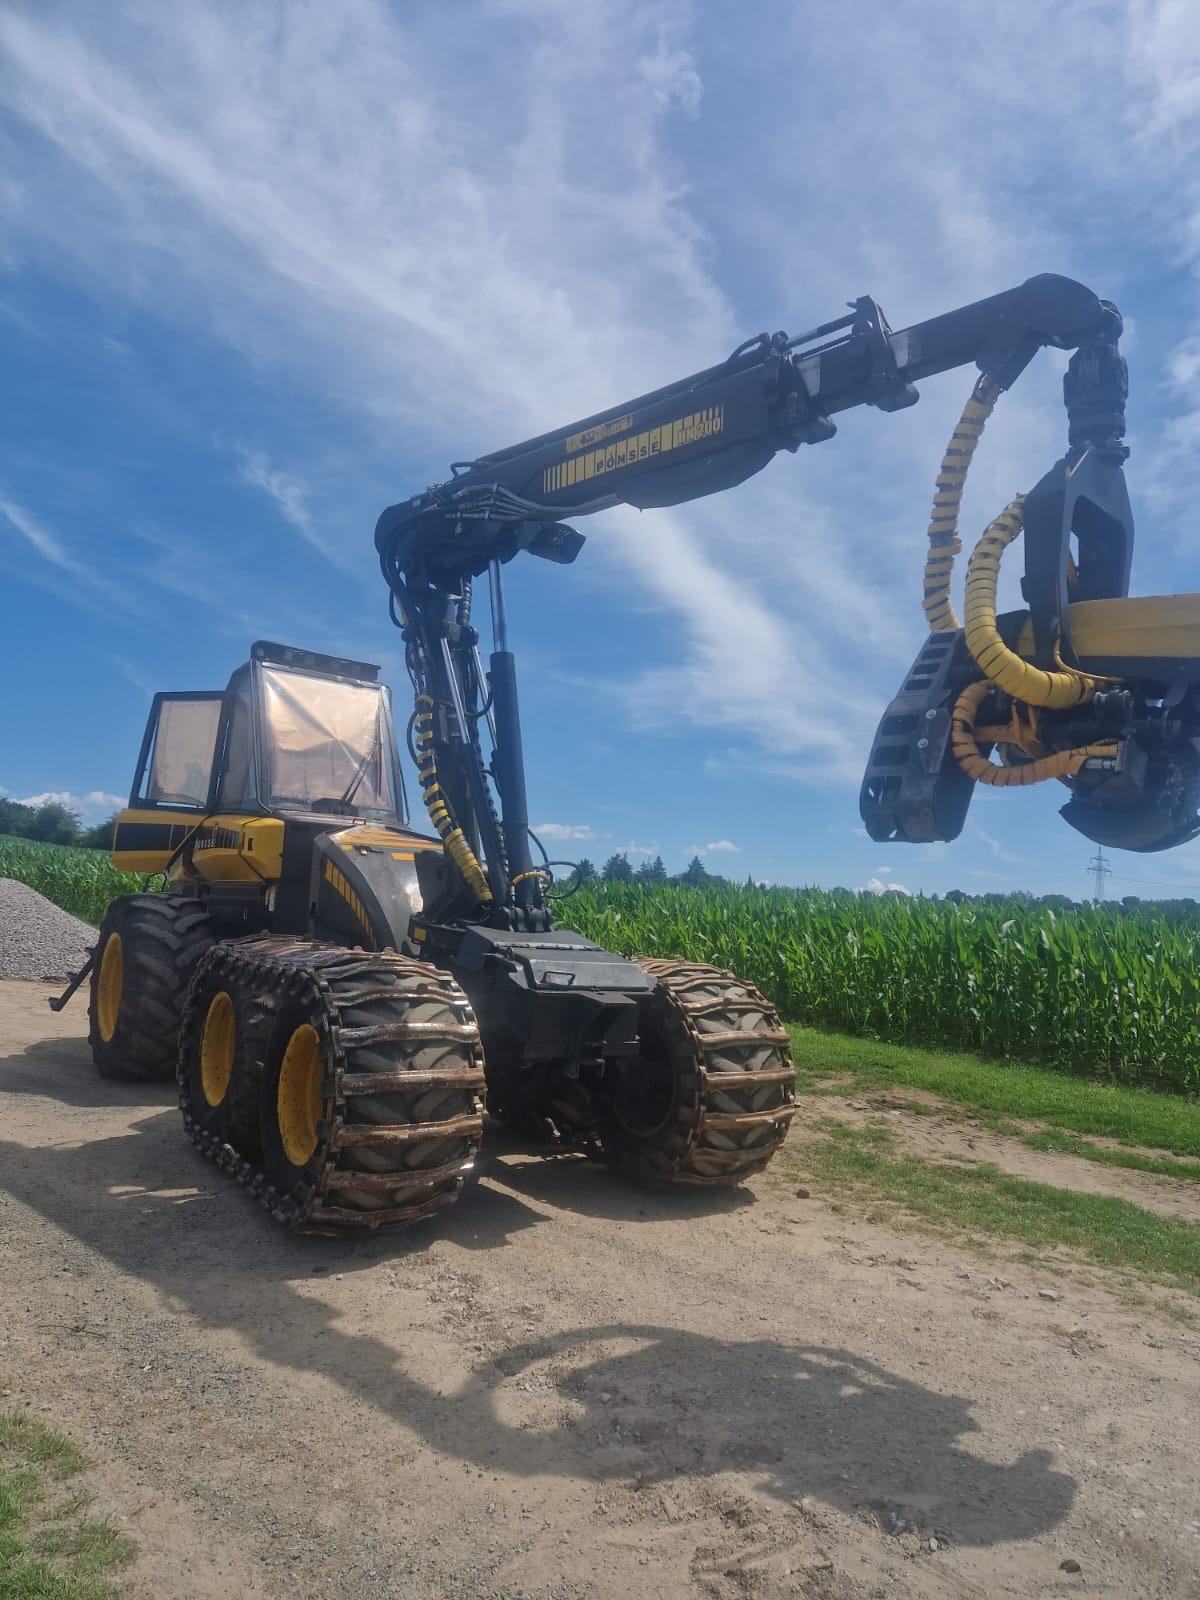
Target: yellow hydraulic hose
[1004, 667]
[963, 742]
[944, 542]
[452, 836]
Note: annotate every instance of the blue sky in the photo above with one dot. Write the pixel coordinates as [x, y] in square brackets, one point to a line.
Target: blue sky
[266, 268]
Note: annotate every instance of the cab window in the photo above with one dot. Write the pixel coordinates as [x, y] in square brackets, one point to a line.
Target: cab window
[327, 745]
[183, 741]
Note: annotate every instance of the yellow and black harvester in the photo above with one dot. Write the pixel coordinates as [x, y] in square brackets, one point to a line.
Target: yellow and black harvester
[336, 991]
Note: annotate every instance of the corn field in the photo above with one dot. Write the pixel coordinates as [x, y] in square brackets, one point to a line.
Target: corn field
[1087, 990]
[81, 881]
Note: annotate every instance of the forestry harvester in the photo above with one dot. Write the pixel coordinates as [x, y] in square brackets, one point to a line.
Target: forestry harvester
[336, 990]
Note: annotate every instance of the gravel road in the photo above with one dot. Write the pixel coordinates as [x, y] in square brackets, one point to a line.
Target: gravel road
[565, 1390]
[37, 938]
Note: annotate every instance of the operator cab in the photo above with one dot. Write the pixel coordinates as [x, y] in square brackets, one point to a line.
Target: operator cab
[280, 802]
[296, 734]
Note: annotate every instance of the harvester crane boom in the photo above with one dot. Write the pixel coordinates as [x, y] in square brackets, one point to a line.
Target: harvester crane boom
[688, 439]
[718, 427]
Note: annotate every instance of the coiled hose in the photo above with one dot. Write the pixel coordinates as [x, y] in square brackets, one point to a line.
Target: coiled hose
[1056, 691]
[964, 744]
[1003, 669]
[452, 836]
[944, 542]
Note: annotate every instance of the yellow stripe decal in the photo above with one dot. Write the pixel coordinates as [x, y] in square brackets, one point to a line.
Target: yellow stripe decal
[338, 882]
[628, 452]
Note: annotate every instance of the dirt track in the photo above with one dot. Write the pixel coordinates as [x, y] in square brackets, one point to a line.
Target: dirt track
[566, 1389]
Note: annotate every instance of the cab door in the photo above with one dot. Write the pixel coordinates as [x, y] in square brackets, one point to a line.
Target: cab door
[172, 781]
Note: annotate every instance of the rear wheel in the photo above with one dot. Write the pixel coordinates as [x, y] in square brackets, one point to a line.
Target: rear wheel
[709, 1099]
[147, 950]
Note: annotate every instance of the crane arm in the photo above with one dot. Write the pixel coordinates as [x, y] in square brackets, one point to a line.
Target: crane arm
[714, 429]
[718, 427]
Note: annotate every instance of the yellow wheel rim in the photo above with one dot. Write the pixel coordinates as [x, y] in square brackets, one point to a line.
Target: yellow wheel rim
[298, 1102]
[108, 990]
[218, 1041]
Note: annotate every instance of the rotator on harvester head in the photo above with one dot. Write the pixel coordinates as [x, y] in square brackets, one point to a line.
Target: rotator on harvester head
[334, 989]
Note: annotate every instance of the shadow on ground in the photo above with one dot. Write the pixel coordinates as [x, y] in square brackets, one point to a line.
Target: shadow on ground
[63, 1070]
[621, 1401]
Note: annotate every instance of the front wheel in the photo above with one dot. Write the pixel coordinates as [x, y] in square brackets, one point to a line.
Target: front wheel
[708, 1100]
[146, 951]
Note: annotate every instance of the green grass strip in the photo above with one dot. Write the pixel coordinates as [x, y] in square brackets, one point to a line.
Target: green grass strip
[985, 1201]
[1133, 1116]
[49, 1548]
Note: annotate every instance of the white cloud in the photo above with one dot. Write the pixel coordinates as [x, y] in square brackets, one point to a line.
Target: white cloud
[46, 545]
[717, 847]
[878, 886]
[95, 801]
[568, 830]
[291, 496]
[311, 186]
[84, 585]
[226, 191]
[997, 850]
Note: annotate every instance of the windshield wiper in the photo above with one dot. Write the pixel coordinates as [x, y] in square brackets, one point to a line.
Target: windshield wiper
[360, 771]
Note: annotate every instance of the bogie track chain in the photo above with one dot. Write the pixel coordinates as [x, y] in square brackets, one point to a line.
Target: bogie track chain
[401, 1099]
[735, 1079]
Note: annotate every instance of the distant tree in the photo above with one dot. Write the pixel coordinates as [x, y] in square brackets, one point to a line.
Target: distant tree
[695, 873]
[98, 837]
[617, 869]
[585, 870]
[54, 824]
[652, 871]
[16, 818]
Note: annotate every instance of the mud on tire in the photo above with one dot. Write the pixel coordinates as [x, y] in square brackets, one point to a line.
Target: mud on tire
[709, 1100]
[146, 952]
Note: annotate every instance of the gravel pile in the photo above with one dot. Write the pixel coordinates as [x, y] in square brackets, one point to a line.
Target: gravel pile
[37, 938]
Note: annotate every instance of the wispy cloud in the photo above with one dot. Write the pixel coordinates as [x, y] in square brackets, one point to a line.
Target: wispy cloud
[311, 185]
[40, 539]
[717, 848]
[291, 497]
[84, 585]
[94, 802]
[568, 830]
[998, 851]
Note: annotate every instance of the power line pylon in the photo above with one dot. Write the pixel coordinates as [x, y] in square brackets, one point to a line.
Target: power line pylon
[1098, 869]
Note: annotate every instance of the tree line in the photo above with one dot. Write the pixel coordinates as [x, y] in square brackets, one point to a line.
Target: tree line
[52, 823]
[619, 869]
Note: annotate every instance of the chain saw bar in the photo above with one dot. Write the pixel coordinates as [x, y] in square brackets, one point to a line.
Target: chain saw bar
[718, 427]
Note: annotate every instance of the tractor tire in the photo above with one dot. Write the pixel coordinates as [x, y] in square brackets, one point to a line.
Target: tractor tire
[369, 1073]
[146, 952]
[708, 1101]
[220, 1053]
